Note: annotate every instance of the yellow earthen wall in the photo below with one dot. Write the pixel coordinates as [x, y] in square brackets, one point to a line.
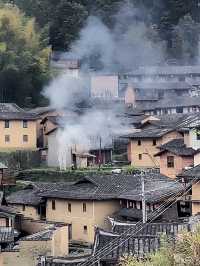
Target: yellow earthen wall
[96, 215]
[16, 132]
[179, 164]
[196, 197]
[30, 211]
[60, 242]
[148, 150]
[28, 254]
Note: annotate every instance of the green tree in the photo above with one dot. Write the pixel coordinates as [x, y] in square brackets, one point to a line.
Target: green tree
[24, 58]
[186, 40]
[185, 252]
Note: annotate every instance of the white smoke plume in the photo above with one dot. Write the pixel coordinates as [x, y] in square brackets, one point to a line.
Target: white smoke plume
[128, 45]
[122, 48]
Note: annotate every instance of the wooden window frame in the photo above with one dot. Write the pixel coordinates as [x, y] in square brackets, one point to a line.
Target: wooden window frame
[25, 138]
[25, 124]
[69, 207]
[154, 142]
[7, 138]
[84, 207]
[170, 161]
[7, 124]
[53, 205]
[85, 229]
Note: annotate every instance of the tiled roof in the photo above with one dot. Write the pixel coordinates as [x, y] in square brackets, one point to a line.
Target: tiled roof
[153, 132]
[7, 234]
[138, 246]
[41, 110]
[191, 173]
[131, 213]
[117, 186]
[32, 195]
[65, 261]
[177, 147]
[99, 187]
[26, 196]
[11, 111]
[161, 85]
[167, 70]
[181, 101]
[40, 236]
[10, 108]
[152, 229]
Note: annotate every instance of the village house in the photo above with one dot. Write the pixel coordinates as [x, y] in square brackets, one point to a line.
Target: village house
[17, 127]
[49, 240]
[172, 105]
[140, 93]
[76, 155]
[63, 64]
[41, 113]
[168, 73]
[90, 201]
[192, 176]
[104, 86]
[174, 157]
[138, 245]
[144, 144]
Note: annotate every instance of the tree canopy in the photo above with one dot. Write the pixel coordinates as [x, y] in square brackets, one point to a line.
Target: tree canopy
[24, 56]
[65, 18]
[186, 251]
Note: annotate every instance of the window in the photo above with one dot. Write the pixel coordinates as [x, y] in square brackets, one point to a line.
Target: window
[139, 142]
[84, 207]
[170, 161]
[130, 204]
[140, 156]
[7, 138]
[182, 78]
[179, 110]
[7, 123]
[53, 205]
[154, 142]
[7, 222]
[25, 124]
[23, 208]
[85, 229]
[69, 207]
[25, 138]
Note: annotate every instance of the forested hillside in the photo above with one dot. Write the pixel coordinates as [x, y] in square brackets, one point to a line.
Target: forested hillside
[58, 22]
[65, 18]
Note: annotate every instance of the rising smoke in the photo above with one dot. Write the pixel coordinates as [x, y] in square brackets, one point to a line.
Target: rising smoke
[120, 49]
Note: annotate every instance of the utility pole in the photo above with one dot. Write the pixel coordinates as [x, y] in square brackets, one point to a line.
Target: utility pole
[143, 199]
[100, 154]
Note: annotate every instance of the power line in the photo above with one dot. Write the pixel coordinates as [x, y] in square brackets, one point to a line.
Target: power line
[154, 216]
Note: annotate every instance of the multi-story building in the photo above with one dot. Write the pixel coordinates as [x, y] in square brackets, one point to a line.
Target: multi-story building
[17, 127]
[88, 202]
[144, 144]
